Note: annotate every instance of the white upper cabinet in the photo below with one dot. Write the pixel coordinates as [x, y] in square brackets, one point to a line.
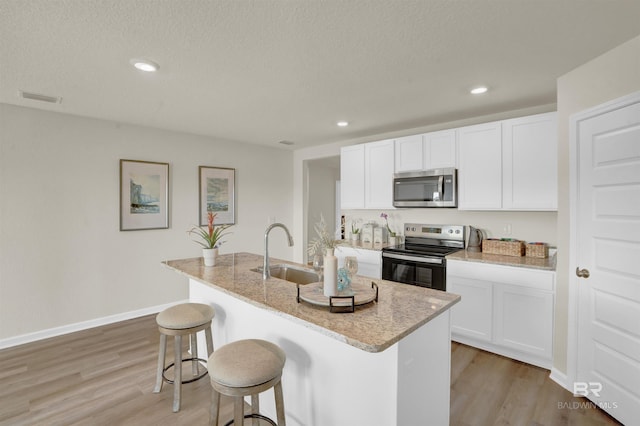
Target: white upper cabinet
[409, 154]
[378, 174]
[509, 165]
[480, 167]
[428, 151]
[530, 162]
[366, 175]
[440, 149]
[352, 177]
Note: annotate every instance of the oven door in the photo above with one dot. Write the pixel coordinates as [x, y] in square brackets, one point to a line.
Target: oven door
[415, 270]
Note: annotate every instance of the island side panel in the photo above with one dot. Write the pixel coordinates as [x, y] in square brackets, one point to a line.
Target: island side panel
[325, 381]
[424, 374]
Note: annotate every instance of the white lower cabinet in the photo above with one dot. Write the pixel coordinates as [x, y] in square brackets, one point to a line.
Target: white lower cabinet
[474, 318]
[369, 261]
[506, 310]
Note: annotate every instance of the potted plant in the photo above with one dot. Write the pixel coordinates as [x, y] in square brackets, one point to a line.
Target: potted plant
[355, 231]
[392, 235]
[210, 239]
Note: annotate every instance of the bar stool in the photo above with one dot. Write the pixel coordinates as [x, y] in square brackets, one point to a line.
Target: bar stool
[243, 368]
[185, 319]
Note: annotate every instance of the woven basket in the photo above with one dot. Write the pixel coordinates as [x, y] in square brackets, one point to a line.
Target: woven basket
[506, 248]
[537, 250]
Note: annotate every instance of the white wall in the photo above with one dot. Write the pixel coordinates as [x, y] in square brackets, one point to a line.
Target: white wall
[607, 77]
[63, 259]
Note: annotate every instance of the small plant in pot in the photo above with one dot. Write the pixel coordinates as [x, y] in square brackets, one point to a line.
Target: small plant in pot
[355, 231]
[210, 239]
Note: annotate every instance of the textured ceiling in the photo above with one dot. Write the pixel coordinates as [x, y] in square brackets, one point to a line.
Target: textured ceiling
[272, 70]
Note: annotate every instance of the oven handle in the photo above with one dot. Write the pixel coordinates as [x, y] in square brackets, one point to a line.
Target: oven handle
[413, 258]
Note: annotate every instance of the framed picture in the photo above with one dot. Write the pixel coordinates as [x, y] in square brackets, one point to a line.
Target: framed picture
[217, 194]
[144, 195]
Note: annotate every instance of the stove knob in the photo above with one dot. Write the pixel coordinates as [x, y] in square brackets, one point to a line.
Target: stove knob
[457, 231]
[451, 231]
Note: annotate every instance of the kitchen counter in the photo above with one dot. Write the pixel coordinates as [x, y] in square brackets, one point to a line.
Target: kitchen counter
[547, 264]
[400, 309]
[388, 363]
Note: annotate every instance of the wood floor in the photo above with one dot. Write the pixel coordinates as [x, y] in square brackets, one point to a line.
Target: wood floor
[104, 376]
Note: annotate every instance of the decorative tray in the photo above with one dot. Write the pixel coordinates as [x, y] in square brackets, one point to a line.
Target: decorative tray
[346, 301]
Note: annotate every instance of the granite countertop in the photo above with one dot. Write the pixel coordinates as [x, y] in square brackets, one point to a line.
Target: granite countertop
[548, 263]
[374, 327]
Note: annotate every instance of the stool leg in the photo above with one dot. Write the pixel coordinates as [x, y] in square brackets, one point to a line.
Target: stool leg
[238, 410]
[209, 336]
[194, 354]
[215, 408]
[277, 390]
[255, 408]
[177, 379]
[162, 351]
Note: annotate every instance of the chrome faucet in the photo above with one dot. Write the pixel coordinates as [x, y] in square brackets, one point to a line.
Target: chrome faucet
[265, 264]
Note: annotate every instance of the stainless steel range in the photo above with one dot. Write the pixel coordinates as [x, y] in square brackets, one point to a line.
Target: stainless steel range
[420, 260]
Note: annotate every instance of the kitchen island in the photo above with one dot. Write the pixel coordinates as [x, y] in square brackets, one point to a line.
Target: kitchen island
[387, 363]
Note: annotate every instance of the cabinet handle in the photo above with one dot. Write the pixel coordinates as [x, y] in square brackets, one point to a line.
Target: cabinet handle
[582, 273]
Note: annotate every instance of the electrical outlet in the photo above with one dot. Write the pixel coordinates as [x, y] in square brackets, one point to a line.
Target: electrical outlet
[272, 220]
[506, 230]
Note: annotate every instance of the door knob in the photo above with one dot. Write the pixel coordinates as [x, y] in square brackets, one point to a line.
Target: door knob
[582, 273]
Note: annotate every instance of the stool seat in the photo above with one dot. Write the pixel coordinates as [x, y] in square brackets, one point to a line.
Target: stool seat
[246, 368]
[185, 319]
[245, 363]
[185, 315]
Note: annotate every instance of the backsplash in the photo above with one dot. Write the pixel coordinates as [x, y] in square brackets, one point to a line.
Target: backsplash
[526, 226]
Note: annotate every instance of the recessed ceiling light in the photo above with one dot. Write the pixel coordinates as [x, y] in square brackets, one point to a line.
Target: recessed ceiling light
[145, 65]
[479, 90]
[342, 123]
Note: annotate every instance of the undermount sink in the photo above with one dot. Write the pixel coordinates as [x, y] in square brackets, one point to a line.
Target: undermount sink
[294, 274]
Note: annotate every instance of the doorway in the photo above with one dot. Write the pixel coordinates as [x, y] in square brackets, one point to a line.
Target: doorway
[322, 195]
[604, 352]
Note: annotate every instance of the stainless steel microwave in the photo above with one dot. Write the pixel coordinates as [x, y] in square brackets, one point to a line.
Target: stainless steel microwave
[429, 188]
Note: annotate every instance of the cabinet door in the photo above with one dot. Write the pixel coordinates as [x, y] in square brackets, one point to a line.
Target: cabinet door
[378, 172]
[472, 316]
[352, 177]
[530, 162]
[524, 319]
[369, 261]
[409, 154]
[440, 149]
[480, 167]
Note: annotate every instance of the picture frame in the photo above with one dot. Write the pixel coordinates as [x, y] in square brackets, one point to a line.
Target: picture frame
[144, 195]
[216, 186]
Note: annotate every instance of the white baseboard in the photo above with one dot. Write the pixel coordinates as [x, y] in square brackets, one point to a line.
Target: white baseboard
[560, 378]
[84, 325]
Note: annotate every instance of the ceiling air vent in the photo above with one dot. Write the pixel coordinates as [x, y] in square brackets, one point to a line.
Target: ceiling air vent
[39, 97]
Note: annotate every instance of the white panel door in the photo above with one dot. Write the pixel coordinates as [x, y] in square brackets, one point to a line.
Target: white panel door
[607, 244]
